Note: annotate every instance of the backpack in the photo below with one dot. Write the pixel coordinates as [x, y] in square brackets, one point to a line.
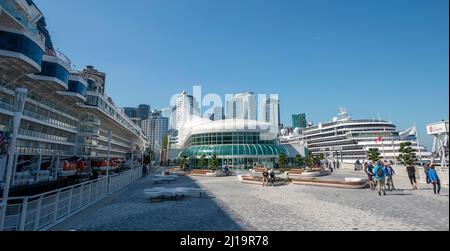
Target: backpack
[380, 172]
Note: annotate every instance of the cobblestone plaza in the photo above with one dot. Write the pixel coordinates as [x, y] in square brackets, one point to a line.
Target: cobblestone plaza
[231, 205]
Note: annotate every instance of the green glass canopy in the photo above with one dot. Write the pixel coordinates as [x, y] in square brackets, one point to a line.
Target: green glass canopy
[234, 150]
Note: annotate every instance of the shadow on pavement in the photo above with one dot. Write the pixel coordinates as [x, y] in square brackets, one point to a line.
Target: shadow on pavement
[130, 210]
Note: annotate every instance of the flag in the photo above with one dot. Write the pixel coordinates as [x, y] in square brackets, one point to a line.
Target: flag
[379, 139]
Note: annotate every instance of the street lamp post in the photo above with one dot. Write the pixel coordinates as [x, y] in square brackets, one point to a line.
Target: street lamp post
[108, 164]
[21, 95]
[132, 155]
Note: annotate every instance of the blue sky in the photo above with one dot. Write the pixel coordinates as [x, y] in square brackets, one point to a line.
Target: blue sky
[371, 56]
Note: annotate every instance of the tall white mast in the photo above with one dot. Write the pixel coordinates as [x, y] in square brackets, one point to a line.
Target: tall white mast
[418, 143]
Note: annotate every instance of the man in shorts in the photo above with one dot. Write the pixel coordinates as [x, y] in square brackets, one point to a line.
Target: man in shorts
[411, 170]
[368, 169]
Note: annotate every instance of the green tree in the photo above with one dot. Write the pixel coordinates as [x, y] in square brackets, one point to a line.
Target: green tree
[202, 162]
[407, 154]
[310, 161]
[147, 159]
[299, 161]
[282, 159]
[374, 155]
[165, 142]
[184, 163]
[321, 156]
[214, 163]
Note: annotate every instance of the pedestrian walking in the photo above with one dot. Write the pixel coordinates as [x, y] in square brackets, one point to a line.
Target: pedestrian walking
[380, 176]
[265, 178]
[411, 170]
[426, 169]
[389, 176]
[434, 179]
[368, 169]
[272, 177]
[357, 165]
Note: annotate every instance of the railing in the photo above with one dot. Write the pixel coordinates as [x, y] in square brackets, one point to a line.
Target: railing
[10, 107]
[49, 120]
[40, 135]
[27, 150]
[40, 101]
[43, 211]
[30, 28]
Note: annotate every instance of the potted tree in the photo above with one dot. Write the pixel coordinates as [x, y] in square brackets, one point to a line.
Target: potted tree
[299, 161]
[184, 163]
[202, 162]
[310, 161]
[374, 155]
[214, 163]
[282, 160]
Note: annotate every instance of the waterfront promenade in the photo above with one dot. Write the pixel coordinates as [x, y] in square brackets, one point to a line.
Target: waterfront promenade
[231, 205]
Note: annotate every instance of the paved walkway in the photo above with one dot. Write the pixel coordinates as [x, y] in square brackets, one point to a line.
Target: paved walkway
[232, 205]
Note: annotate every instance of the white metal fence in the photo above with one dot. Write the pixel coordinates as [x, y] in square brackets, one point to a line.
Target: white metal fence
[41, 212]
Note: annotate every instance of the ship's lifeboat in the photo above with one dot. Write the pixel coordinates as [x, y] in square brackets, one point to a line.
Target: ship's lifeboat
[103, 165]
[69, 168]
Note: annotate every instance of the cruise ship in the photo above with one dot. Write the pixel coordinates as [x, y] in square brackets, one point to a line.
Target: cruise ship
[69, 125]
[348, 140]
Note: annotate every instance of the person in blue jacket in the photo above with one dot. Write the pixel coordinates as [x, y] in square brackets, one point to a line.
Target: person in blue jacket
[434, 179]
[380, 176]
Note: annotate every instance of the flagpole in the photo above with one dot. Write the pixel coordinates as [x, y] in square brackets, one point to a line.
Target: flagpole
[393, 149]
[418, 143]
[382, 143]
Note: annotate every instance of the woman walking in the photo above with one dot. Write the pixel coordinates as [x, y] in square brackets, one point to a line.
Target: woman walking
[434, 179]
[411, 169]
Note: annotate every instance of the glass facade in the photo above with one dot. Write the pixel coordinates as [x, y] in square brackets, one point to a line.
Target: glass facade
[299, 120]
[55, 70]
[21, 44]
[244, 149]
[225, 138]
[235, 150]
[77, 87]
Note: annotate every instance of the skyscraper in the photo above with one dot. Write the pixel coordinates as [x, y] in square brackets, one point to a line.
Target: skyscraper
[218, 113]
[186, 106]
[230, 107]
[144, 111]
[167, 113]
[299, 120]
[156, 127]
[138, 114]
[245, 106]
[272, 111]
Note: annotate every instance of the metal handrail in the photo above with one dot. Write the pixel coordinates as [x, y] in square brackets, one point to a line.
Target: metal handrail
[42, 211]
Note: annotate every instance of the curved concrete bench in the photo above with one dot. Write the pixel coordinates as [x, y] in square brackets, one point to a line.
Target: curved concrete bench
[362, 183]
[256, 181]
[276, 183]
[316, 174]
[172, 193]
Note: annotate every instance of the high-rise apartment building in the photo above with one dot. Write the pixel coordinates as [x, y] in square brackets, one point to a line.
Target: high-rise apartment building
[272, 111]
[246, 106]
[186, 106]
[299, 120]
[156, 127]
